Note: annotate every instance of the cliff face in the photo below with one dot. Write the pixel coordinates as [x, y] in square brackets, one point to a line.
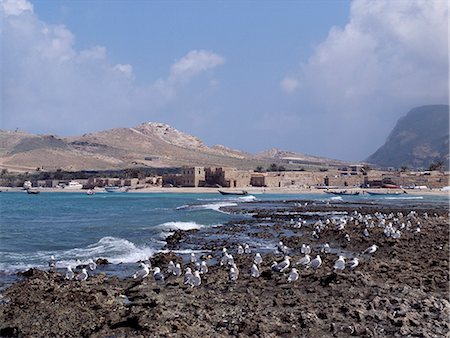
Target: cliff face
[419, 139]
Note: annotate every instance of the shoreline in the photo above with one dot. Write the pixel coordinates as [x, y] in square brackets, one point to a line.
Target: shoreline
[250, 190]
[400, 290]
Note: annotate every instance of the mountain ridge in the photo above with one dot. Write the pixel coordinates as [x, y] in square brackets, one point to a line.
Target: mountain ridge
[151, 144]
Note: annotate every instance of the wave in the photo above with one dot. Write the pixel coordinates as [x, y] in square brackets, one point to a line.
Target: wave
[115, 250]
[209, 206]
[404, 198]
[181, 225]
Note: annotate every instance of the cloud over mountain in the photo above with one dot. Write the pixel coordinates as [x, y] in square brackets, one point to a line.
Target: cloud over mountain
[389, 57]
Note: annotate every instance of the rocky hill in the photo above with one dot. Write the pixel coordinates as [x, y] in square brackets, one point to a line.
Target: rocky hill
[149, 144]
[419, 139]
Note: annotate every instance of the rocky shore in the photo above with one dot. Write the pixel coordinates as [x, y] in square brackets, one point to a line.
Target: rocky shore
[399, 291]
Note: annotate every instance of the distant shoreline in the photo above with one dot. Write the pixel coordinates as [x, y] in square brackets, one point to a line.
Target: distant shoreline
[250, 190]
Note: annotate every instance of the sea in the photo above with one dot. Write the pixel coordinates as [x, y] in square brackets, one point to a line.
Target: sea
[124, 228]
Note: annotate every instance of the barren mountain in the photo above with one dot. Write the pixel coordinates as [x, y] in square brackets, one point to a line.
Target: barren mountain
[149, 144]
[419, 139]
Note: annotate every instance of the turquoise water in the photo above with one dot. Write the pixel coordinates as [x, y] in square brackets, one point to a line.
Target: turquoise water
[123, 228]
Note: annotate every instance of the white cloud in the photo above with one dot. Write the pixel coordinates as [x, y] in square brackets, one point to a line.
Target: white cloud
[195, 62]
[50, 86]
[289, 84]
[15, 7]
[390, 57]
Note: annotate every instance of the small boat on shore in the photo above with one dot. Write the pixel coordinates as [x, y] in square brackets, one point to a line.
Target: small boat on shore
[114, 189]
[234, 193]
[343, 193]
[32, 191]
[386, 193]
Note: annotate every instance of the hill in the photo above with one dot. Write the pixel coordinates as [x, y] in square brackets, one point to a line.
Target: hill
[418, 139]
[149, 144]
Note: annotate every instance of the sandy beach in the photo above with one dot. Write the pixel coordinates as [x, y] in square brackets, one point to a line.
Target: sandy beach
[400, 290]
[250, 190]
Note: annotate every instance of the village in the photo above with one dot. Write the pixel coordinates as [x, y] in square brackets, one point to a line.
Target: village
[352, 176]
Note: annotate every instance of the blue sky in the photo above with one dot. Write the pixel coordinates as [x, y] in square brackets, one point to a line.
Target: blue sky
[327, 78]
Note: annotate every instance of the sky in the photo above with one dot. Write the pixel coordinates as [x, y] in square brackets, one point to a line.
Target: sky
[326, 78]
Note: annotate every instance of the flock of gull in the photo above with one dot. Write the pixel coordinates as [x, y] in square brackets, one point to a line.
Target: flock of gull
[392, 225]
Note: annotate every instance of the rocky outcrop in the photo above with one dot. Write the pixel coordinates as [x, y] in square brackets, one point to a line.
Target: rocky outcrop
[419, 139]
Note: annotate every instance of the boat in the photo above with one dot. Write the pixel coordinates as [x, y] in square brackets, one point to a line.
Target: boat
[74, 185]
[114, 189]
[32, 191]
[90, 192]
[234, 193]
[381, 193]
[343, 193]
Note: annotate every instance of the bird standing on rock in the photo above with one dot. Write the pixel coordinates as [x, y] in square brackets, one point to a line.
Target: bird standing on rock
[258, 259]
[188, 276]
[92, 265]
[203, 268]
[304, 261]
[176, 271]
[352, 264]
[240, 250]
[254, 271]
[52, 263]
[234, 273]
[82, 276]
[69, 274]
[282, 266]
[340, 263]
[142, 273]
[157, 275]
[371, 249]
[316, 262]
[293, 276]
[196, 280]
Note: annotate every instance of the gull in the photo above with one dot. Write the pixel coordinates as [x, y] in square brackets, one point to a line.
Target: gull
[82, 276]
[316, 262]
[188, 276]
[52, 263]
[193, 258]
[196, 280]
[304, 261]
[170, 267]
[203, 268]
[293, 276]
[326, 248]
[371, 249]
[282, 266]
[240, 250]
[315, 235]
[340, 263]
[234, 273]
[176, 271]
[157, 275]
[366, 233]
[254, 271]
[282, 248]
[347, 237]
[247, 248]
[305, 249]
[396, 234]
[69, 273]
[92, 265]
[230, 259]
[258, 259]
[352, 264]
[142, 273]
